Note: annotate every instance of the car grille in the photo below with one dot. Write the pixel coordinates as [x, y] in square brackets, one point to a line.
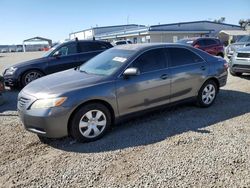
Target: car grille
[22, 102]
[243, 55]
[241, 66]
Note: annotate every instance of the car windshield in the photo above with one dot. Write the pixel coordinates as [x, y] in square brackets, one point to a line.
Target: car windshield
[185, 41]
[46, 54]
[244, 39]
[107, 62]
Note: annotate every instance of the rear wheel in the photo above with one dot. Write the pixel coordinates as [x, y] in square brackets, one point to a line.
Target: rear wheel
[30, 76]
[235, 73]
[90, 122]
[207, 94]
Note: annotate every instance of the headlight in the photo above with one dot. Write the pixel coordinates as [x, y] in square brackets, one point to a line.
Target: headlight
[48, 103]
[10, 71]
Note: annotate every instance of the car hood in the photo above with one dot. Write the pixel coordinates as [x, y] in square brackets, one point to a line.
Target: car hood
[61, 82]
[31, 62]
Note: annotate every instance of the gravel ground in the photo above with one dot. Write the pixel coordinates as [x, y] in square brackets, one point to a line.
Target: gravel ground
[181, 146]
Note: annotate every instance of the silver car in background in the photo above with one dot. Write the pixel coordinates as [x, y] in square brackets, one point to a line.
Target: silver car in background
[240, 62]
[241, 43]
[86, 101]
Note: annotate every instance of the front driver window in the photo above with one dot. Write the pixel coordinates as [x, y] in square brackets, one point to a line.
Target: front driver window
[151, 60]
[66, 50]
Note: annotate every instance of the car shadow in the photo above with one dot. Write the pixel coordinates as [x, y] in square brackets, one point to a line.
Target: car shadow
[10, 101]
[163, 124]
[245, 76]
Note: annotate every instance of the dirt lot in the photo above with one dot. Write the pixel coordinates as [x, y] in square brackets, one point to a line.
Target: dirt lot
[182, 146]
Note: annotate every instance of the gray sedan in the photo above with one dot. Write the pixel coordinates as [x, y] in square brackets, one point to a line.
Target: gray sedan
[86, 101]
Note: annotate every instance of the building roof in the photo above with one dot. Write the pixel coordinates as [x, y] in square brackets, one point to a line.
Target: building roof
[235, 32]
[202, 21]
[113, 26]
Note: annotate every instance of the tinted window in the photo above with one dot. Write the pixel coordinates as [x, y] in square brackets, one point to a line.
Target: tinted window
[200, 43]
[244, 39]
[151, 60]
[121, 42]
[67, 49]
[182, 56]
[186, 41]
[209, 42]
[91, 46]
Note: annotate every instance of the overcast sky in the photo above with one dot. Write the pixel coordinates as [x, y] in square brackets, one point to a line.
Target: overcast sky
[55, 19]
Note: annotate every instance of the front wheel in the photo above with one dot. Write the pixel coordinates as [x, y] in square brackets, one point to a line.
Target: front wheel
[90, 122]
[207, 94]
[30, 76]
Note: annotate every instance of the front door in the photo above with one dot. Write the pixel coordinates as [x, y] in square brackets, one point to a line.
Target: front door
[64, 58]
[148, 89]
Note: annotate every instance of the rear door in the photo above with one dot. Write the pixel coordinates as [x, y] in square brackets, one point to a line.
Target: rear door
[66, 59]
[188, 72]
[89, 50]
[150, 88]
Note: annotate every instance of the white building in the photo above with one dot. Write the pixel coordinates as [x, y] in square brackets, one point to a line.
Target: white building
[96, 31]
[155, 33]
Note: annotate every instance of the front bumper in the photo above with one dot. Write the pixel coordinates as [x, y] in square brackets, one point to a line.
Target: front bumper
[10, 80]
[51, 123]
[240, 65]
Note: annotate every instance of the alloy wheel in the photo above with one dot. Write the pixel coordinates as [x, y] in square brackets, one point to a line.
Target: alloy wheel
[31, 76]
[208, 94]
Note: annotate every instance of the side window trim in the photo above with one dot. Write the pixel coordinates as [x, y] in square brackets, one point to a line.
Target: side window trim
[170, 60]
[137, 56]
[165, 59]
[65, 45]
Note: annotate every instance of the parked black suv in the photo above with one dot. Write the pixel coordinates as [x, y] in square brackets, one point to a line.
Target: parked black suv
[61, 57]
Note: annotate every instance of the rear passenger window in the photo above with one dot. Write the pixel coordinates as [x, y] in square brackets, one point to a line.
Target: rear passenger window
[182, 56]
[151, 60]
[91, 46]
[200, 43]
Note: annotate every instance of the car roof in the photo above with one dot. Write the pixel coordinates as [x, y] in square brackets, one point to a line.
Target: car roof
[199, 38]
[144, 46]
[94, 41]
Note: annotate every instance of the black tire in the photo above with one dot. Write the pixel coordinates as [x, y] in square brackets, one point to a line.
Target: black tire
[74, 126]
[200, 100]
[24, 80]
[235, 73]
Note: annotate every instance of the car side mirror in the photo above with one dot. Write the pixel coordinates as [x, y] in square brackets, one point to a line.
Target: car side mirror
[57, 54]
[133, 71]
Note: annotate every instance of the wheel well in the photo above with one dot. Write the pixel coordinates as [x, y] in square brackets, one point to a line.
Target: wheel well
[21, 75]
[216, 81]
[106, 104]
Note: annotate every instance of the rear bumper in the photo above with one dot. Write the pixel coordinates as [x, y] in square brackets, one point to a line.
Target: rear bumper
[51, 123]
[223, 79]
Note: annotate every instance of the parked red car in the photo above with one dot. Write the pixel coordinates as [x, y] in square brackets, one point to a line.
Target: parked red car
[212, 46]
